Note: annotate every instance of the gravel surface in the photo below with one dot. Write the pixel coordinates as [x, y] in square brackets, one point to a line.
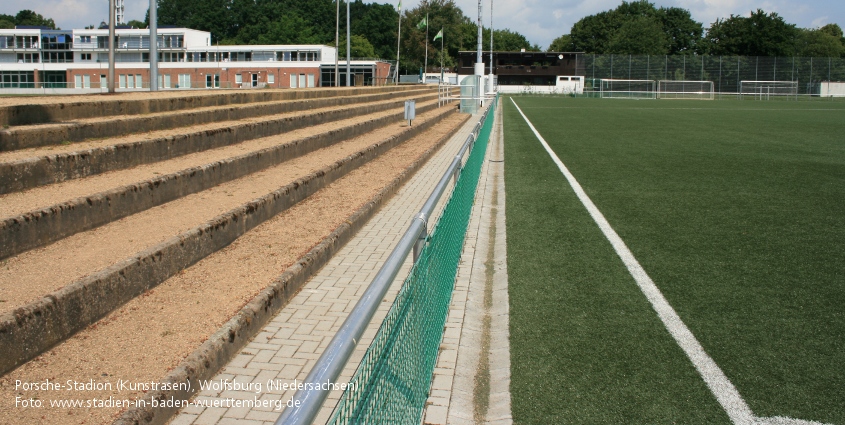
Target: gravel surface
[20, 154]
[148, 336]
[84, 253]
[17, 203]
[7, 100]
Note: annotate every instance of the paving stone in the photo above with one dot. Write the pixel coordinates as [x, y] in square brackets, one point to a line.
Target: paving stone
[184, 419]
[210, 416]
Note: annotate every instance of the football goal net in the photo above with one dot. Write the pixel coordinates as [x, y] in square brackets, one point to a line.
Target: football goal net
[627, 89]
[682, 89]
[765, 90]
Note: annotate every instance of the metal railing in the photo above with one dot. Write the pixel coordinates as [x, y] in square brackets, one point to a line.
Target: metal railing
[331, 363]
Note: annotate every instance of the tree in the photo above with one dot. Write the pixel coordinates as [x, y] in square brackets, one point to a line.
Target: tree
[361, 47]
[682, 32]
[592, 34]
[7, 22]
[637, 27]
[287, 29]
[506, 40]
[137, 24]
[819, 43]
[835, 31]
[377, 23]
[562, 44]
[641, 35]
[215, 16]
[726, 36]
[760, 34]
[28, 17]
[442, 14]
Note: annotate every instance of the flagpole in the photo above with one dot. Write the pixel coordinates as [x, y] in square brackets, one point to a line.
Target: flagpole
[398, 40]
[440, 36]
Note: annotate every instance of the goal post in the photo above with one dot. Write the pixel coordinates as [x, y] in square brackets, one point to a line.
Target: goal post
[683, 89]
[764, 90]
[627, 89]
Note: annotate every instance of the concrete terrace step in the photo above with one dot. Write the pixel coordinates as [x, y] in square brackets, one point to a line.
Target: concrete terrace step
[28, 112]
[31, 172]
[45, 225]
[35, 327]
[23, 137]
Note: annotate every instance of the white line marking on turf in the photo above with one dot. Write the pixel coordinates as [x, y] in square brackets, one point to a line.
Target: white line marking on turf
[716, 380]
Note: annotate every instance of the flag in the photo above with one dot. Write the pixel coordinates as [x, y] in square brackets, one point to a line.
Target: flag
[439, 35]
[423, 23]
[399, 8]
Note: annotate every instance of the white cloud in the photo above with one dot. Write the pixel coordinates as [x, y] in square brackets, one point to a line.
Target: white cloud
[819, 22]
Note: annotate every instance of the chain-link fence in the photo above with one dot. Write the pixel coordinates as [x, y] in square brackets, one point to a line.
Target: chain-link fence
[392, 382]
[810, 75]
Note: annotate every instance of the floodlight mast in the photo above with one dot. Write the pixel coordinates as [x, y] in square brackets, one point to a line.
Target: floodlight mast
[337, 45]
[111, 46]
[120, 12]
[490, 79]
[398, 44]
[348, 49]
[479, 61]
[154, 47]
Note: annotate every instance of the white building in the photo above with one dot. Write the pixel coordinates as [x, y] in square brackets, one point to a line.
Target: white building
[39, 58]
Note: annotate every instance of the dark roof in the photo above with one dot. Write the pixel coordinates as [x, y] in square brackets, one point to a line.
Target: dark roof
[550, 54]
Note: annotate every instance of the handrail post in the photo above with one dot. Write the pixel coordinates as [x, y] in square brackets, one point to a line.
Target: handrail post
[418, 246]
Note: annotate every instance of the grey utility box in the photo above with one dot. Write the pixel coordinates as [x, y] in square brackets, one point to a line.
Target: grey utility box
[410, 110]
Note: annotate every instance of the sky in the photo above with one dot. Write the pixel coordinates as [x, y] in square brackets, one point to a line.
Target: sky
[541, 21]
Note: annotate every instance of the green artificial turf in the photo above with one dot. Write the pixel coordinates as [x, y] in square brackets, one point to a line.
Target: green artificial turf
[737, 212]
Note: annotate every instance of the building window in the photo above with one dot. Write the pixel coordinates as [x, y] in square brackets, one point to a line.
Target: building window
[85, 56]
[164, 81]
[27, 57]
[58, 57]
[173, 41]
[239, 79]
[139, 82]
[82, 81]
[84, 38]
[26, 42]
[271, 79]
[17, 79]
[184, 81]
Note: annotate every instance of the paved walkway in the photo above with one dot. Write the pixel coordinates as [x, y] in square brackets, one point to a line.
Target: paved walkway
[291, 343]
[471, 383]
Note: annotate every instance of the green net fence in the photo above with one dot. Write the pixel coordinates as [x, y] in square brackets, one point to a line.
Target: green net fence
[392, 382]
[727, 73]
